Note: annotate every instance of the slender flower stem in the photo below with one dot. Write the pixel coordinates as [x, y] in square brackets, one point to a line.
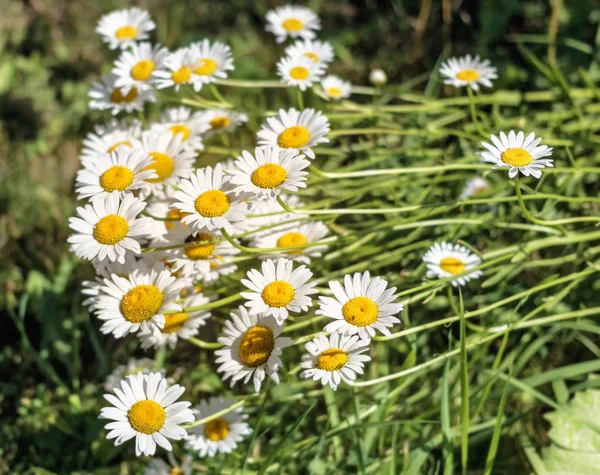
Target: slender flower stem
[286, 249]
[300, 99]
[206, 306]
[474, 112]
[220, 413]
[205, 344]
[219, 97]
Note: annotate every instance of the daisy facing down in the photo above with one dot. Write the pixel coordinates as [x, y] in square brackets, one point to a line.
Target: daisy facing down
[253, 347]
[294, 235]
[361, 306]
[122, 28]
[468, 71]
[105, 95]
[292, 21]
[445, 259]
[318, 51]
[299, 71]
[107, 138]
[336, 88]
[145, 408]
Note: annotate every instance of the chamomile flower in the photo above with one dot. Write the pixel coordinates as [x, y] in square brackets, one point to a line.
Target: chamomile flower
[169, 219]
[105, 95]
[294, 129]
[158, 466]
[208, 200]
[445, 260]
[221, 434]
[109, 227]
[182, 122]
[300, 71]
[361, 306]
[318, 51]
[133, 366]
[518, 153]
[122, 28]
[468, 71]
[334, 359]
[124, 170]
[296, 235]
[211, 62]
[473, 187]
[293, 22]
[253, 345]
[137, 302]
[176, 70]
[107, 138]
[335, 88]
[221, 120]
[268, 171]
[145, 408]
[135, 67]
[278, 289]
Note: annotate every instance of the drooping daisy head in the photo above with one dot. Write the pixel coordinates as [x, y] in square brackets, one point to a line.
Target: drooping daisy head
[333, 359]
[221, 120]
[518, 153]
[158, 466]
[293, 22]
[294, 129]
[144, 407]
[182, 122]
[318, 51]
[295, 235]
[221, 434]
[210, 62]
[105, 95]
[445, 260]
[253, 345]
[135, 66]
[468, 71]
[133, 366]
[176, 70]
[336, 88]
[109, 227]
[300, 71]
[473, 187]
[122, 28]
[269, 214]
[107, 138]
[278, 289]
[209, 202]
[361, 306]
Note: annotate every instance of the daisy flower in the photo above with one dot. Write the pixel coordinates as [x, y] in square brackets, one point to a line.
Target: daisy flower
[169, 220]
[209, 201]
[145, 408]
[296, 235]
[445, 260]
[158, 466]
[253, 345]
[361, 306]
[334, 359]
[294, 129]
[270, 213]
[182, 122]
[335, 88]
[133, 366]
[135, 67]
[468, 71]
[292, 21]
[221, 434]
[269, 171]
[122, 28]
[107, 138]
[318, 51]
[221, 120]
[519, 153]
[176, 70]
[109, 227]
[378, 77]
[278, 290]
[473, 187]
[105, 95]
[211, 62]
[300, 71]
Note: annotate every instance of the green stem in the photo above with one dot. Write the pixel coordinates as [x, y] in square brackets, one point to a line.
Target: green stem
[300, 100]
[474, 112]
[206, 306]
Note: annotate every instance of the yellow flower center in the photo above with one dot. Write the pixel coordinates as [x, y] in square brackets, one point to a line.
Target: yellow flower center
[163, 166]
[481, 189]
[142, 70]
[516, 157]
[299, 73]
[111, 229]
[205, 67]
[176, 471]
[332, 359]
[334, 92]
[182, 75]
[217, 429]
[117, 96]
[212, 203]
[468, 75]
[182, 129]
[141, 303]
[146, 416]
[452, 265]
[294, 137]
[311, 55]
[174, 322]
[278, 294]
[360, 311]
[126, 32]
[220, 122]
[174, 214]
[116, 178]
[125, 143]
[292, 239]
[269, 175]
[201, 251]
[256, 346]
[292, 25]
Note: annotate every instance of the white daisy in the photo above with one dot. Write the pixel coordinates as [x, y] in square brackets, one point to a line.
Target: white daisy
[221, 120]
[361, 306]
[145, 408]
[158, 466]
[335, 88]
[318, 51]
[278, 290]
[122, 28]
[211, 62]
[209, 200]
[295, 235]
[378, 77]
[133, 366]
[270, 213]
[473, 187]
[134, 68]
[221, 434]
[334, 359]
[107, 138]
[292, 21]
[187, 124]
[253, 345]
[445, 260]
[109, 228]
[176, 70]
[519, 153]
[294, 129]
[300, 71]
[468, 71]
[166, 220]
[105, 95]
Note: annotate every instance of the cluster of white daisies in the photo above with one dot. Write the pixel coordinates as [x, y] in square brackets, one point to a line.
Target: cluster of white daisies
[158, 230]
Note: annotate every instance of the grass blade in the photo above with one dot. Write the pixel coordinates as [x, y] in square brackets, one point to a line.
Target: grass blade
[464, 388]
[493, 450]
